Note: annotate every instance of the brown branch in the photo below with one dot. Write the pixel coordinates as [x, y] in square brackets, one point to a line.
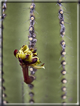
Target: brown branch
[27, 79]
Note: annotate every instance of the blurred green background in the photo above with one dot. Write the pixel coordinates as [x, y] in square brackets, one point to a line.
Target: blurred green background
[47, 86]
